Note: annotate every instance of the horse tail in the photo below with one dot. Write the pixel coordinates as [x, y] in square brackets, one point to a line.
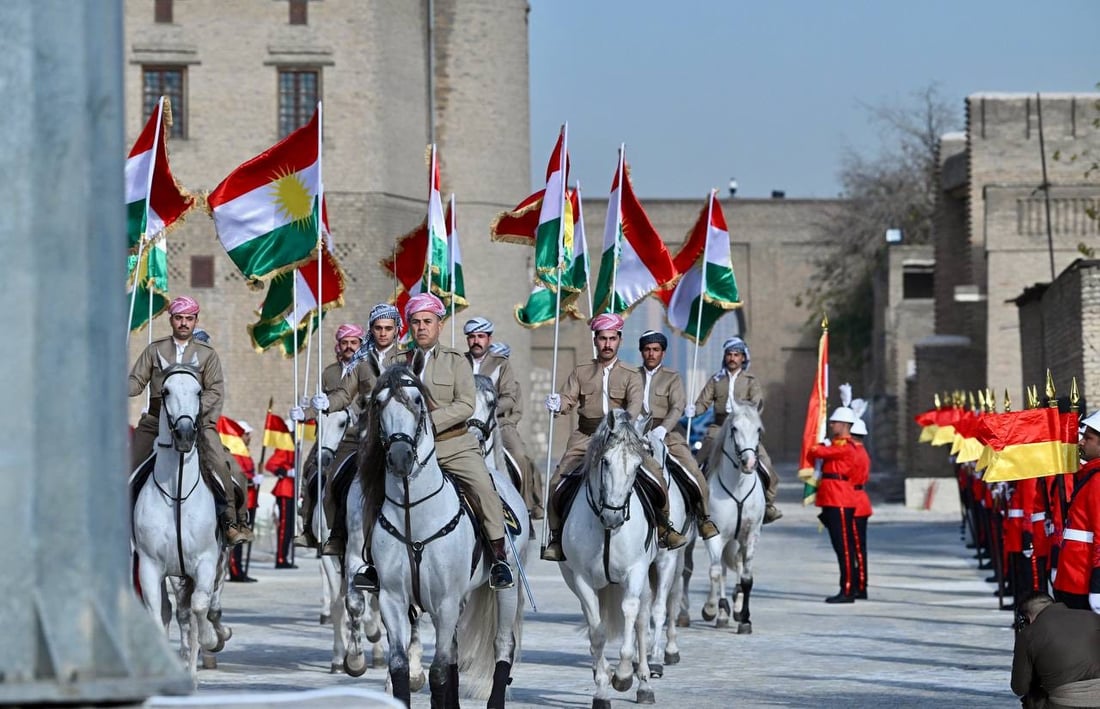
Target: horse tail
[611, 611]
[477, 632]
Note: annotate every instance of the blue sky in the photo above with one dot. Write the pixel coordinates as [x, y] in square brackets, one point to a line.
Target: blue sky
[772, 91]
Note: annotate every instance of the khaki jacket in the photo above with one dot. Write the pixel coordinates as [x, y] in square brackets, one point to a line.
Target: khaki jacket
[583, 390]
[344, 392]
[716, 391]
[147, 371]
[450, 380]
[667, 398]
[509, 397]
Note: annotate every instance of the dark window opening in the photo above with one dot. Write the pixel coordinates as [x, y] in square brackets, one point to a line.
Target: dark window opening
[917, 282]
[299, 91]
[170, 82]
[299, 13]
[202, 271]
[162, 11]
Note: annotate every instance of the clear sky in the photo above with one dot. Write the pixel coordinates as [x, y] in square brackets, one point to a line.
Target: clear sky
[772, 91]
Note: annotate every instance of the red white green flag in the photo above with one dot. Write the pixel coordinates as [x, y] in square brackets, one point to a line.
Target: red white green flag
[266, 211]
[437, 275]
[817, 413]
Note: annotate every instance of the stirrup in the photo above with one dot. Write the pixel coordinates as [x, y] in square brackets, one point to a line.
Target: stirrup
[366, 579]
[500, 576]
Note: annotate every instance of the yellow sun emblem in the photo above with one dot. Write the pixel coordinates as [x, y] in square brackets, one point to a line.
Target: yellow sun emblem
[292, 197]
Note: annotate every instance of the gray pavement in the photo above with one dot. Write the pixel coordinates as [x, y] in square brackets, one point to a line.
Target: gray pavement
[930, 635]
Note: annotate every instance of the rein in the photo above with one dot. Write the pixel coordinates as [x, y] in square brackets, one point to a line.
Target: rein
[740, 502]
[179, 497]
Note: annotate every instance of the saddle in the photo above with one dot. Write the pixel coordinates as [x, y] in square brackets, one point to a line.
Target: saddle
[648, 491]
[145, 469]
[693, 496]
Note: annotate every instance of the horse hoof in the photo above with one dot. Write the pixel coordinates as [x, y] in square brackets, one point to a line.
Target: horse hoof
[601, 704]
[325, 619]
[218, 646]
[737, 616]
[354, 667]
[722, 623]
[656, 670]
[645, 696]
[335, 669]
[209, 662]
[417, 683]
[621, 685]
[744, 629]
[724, 606]
[375, 636]
[683, 620]
[672, 658]
[709, 613]
[224, 632]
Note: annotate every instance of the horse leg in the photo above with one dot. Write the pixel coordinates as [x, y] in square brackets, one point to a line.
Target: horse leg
[416, 653]
[675, 601]
[717, 590]
[749, 551]
[666, 571]
[597, 638]
[728, 560]
[396, 619]
[151, 580]
[182, 588]
[641, 640]
[355, 605]
[205, 572]
[683, 616]
[445, 619]
[373, 629]
[214, 615]
[509, 615]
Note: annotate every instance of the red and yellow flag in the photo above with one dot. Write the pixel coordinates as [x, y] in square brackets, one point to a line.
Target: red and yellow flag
[278, 436]
[232, 436]
[1028, 444]
[817, 414]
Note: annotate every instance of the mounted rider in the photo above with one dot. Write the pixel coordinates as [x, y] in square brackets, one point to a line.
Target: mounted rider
[663, 400]
[183, 347]
[450, 381]
[593, 389]
[479, 343]
[734, 383]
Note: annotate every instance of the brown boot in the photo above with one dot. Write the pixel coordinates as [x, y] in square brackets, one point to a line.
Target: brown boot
[707, 528]
[335, 545]
[305, 540]
[669, 538]
[235, 534]
[771, 513]
[553, 550]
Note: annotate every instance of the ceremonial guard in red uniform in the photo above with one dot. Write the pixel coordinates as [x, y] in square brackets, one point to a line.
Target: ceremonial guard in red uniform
[837, 499]
[239, 560]
[863, 511]
[285, 504]
[1077, 583]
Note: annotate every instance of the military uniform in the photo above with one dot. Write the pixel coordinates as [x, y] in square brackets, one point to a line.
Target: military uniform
[716, 393]
[664, 399]
[1079, 560]
[509, 413]
[242, 472]
[147, 372]
[863, 511]
[837, 499]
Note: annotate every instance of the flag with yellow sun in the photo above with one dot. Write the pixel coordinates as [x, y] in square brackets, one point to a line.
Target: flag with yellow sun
[267, 211]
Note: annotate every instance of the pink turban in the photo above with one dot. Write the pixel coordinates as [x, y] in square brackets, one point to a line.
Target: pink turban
[607, 321]
[349, 330]
[183, 305]
[424, 301]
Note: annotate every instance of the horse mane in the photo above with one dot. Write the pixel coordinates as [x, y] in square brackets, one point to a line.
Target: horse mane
[484, 383]
[741, 409]
[372, 456]
[605, 437]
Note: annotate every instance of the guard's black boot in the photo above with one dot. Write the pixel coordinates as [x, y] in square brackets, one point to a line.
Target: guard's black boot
[840, 598]
[500, 574]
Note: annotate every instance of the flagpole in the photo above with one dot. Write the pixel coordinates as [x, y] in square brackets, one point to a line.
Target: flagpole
[145, 240]
[563, 165]
[699, 315]
[587, 270]
[431, 187]
[320, 296]
[619, 210]
[133, 291]
[451, 264]
[298, 428]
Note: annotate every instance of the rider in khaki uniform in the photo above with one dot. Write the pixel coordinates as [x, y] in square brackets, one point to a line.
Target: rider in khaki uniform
[181, 347]
[479, 340]
[735, 373]
[593, 389]
[663, 400]
[450, 381]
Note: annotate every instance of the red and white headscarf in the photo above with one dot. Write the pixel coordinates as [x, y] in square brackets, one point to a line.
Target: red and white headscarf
[607, 321]
[348, 330]
[183, 305]
[424, 302]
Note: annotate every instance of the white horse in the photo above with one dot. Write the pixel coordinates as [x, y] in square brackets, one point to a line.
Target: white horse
[609, 547]
[425, 549]
[175, 523]
[669, 567]
[737, 508]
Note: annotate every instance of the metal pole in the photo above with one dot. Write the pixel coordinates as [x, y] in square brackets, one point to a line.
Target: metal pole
[615, 255]
[452, 237]
[320, 308]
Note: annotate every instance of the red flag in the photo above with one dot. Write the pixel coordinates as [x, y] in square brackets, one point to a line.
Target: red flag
[817, 414]
[232, 436]
[1026, 444]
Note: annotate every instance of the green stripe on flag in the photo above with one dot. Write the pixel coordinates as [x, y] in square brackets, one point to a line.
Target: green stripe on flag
[285, 247]
[135, 222]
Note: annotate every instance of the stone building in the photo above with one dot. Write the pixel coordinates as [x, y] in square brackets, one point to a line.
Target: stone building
[243, 74]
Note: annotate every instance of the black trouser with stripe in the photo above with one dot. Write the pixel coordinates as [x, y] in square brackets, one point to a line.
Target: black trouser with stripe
[861, 555]
[840, 521]
[238, 569]
[284, 531]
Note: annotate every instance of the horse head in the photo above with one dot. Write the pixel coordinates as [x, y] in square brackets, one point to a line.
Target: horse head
[400, 404]
[615, 454]
[484, 420]
[181, 397]
[331, 430]
[744, 429]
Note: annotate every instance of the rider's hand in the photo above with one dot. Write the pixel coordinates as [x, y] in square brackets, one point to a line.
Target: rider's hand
[320, 401]
[690, 411]
[1094, 602]
[659, 433]
[297, 414]
[553, 403]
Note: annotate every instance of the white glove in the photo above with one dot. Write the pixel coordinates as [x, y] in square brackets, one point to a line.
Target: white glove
[1053, 576]
[553, 403]
[1030, 552]
[320, 401]
[258, 480]
[290, 473]
[690, 411]
[297, 414]
[659, 433]
[1049, 527]
[1094, 602]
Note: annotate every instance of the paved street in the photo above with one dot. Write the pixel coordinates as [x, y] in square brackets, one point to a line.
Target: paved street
[929, 636]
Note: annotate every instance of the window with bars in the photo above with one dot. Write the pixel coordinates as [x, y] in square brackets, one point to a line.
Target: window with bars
[162, 11]
[299, 91]
[167, 81]
[299, 12]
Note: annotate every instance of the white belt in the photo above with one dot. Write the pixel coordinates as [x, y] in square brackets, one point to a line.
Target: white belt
[1012, 514]
[1038, 516]
[1077, 535]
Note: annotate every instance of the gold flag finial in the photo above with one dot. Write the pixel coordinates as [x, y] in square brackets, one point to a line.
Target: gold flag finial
[981, 400]
[824, 321]
[1008, 401]
[1074, 395]
[990, 401]
[1032, 396]
[973, 406]
[1052, 397]
[936, 400]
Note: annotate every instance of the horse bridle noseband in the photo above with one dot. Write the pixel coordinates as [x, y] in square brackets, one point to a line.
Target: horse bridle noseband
[414, 441]
[603, 506]
[174, 422]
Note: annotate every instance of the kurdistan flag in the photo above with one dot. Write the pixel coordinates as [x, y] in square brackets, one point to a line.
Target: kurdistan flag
[151, 271]
[635, 261]
[554, 232]
[708, 282]
[576, 270]
[541, 306]
[266, 212]
[436, 275]
[456, 293]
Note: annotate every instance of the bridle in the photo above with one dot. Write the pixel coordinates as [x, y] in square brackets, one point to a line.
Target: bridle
[388, 440]
[486, 428]
[179, 498]
[600, 506]
[173, 423]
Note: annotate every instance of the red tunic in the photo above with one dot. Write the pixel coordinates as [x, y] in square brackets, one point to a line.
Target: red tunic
[859, 481]
[834, 489]
[1079, 560]
[1014, 520]
[284, 487]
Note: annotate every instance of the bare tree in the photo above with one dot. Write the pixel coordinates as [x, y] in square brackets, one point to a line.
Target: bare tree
[892, 189]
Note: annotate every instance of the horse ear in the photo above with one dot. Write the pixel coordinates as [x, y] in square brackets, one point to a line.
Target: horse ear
[610, 418]
[418, 362]
[641, 423]
[374, 365]
[162, 361]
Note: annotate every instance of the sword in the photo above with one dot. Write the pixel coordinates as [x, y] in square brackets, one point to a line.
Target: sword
[522, 574]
